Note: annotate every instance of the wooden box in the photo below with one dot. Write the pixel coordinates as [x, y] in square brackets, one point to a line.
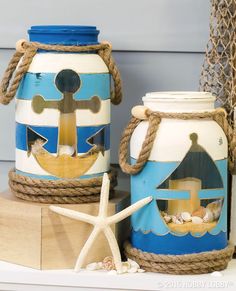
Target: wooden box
[34, 236]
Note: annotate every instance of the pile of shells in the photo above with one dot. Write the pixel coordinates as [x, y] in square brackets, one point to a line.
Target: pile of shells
[108, 264]
[206, 214]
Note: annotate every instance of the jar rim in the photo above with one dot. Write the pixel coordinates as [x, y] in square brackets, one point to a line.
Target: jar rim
[163, 96]
[64, 34]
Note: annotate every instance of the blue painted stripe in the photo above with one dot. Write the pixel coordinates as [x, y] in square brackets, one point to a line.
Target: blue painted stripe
[51, 134]
[48, 177]
[97, 84]
[211, 193]
[178, 245]
[172, 194]
[85, 133]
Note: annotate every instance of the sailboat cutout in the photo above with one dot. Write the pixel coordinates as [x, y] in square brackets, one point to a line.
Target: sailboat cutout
[198, 176]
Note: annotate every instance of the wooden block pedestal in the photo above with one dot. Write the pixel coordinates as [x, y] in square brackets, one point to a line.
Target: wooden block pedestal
[34, 236]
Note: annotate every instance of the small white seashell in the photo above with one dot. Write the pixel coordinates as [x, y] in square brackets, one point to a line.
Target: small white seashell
[167, 218]
[125, 267]
[66, 150]
[93, 267]
[141, 271]
[217, 274]
[133, 270]
[133, 263]
[37, 147]
[179, 217]
[197, 220]
[176, 220]
[186, 216]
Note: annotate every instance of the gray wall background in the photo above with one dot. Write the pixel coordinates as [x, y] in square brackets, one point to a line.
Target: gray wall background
[158, 45]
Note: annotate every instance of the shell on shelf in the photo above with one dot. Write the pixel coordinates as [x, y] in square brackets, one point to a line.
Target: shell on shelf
[94, 266]
[108, 263]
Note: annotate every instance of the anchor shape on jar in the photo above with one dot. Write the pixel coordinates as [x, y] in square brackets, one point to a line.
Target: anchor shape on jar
[67, 163]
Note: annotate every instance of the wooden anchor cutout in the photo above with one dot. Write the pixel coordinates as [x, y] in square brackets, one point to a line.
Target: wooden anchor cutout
[66, 166]
[68, 83]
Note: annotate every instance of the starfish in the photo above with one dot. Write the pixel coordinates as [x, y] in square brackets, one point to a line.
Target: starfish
[102, 223]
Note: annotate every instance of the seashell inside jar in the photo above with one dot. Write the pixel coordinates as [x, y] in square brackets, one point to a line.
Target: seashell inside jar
[200, 212]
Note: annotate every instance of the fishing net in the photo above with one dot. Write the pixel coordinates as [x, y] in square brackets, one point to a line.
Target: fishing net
[218, 74]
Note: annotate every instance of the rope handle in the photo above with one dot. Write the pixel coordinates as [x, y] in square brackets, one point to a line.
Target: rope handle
[154, 119]
[25, 51]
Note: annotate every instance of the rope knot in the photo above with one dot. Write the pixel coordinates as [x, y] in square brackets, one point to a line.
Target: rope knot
[155, 115]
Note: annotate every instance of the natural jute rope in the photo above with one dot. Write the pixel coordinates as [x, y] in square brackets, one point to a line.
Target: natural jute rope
[58, 191]
[55, 191]
[198, 263]
[21, 60]
[154, 119]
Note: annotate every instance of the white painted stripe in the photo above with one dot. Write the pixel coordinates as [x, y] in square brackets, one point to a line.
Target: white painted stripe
[55, 62]
[85, 117]
[173, 142]
[50, 117]
[30, 165]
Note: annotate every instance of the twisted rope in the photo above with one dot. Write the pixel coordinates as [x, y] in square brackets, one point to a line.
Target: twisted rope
[197, 263]
[58, 191]
[154, 118]
[21, 60]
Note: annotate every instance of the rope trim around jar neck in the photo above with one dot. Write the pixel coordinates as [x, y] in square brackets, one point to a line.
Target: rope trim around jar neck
[154, 118]
[25, 52]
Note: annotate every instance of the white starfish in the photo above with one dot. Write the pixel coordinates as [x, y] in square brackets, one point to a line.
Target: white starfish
[102, 223]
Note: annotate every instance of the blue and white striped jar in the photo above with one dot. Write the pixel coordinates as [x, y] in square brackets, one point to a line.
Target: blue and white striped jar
[186, 174]
[63, 109]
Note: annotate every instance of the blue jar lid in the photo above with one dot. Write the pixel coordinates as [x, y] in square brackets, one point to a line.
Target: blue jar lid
[64, 34]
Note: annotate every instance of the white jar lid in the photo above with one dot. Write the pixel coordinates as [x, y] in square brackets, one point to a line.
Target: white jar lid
[179, 95]
[179, 101]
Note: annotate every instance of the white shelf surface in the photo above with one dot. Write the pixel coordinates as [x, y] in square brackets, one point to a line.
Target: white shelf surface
[14, 277]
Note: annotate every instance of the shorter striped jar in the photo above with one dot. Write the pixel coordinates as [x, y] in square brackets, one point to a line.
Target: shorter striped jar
[63, 109]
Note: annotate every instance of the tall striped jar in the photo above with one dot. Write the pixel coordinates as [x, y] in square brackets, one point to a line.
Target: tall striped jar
[63, 109]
